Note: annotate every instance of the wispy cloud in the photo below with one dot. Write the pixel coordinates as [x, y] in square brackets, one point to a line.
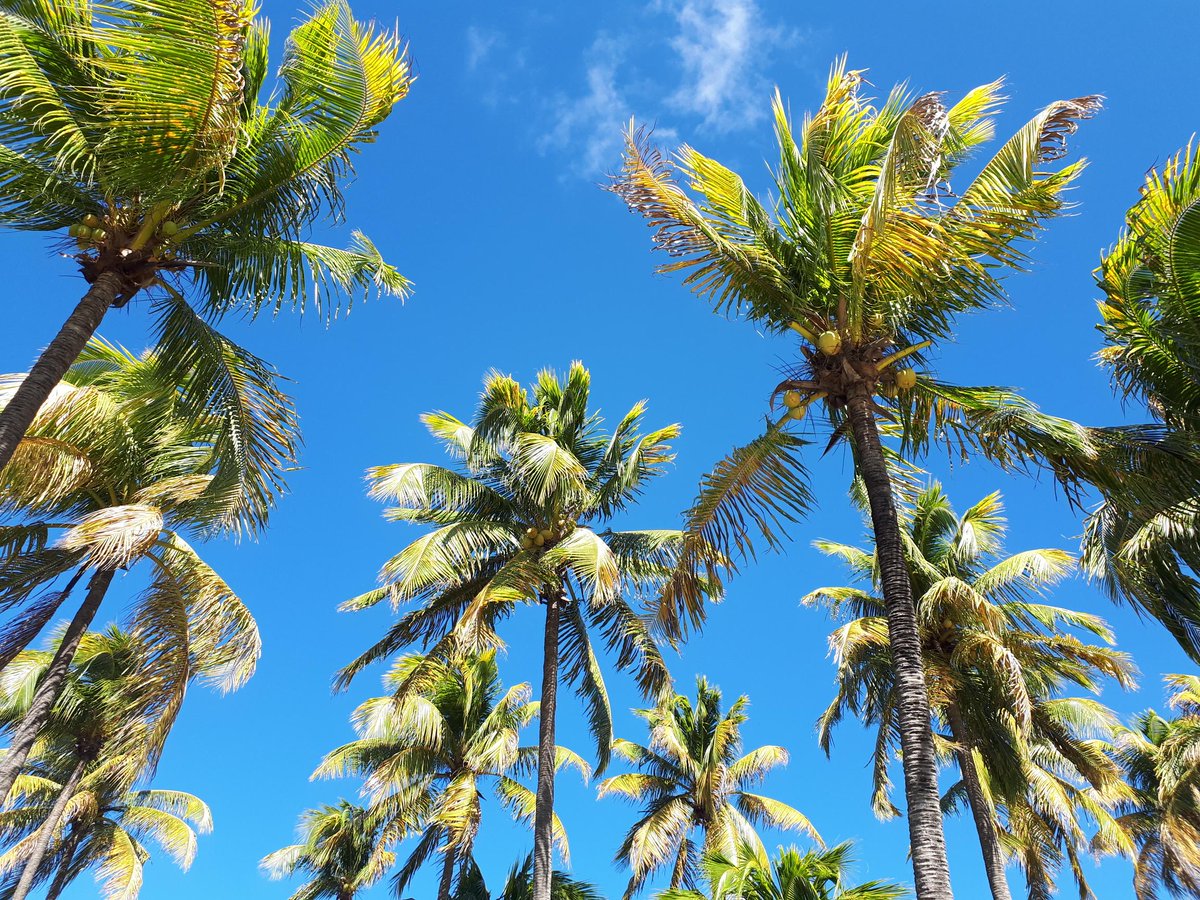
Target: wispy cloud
[722, 47]
[480, 43]
[590, 125]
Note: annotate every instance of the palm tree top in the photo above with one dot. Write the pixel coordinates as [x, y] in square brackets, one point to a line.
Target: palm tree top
[146, 123]
[339, 850]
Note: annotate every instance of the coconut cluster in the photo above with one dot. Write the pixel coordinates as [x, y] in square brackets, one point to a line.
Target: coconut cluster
[91, 231]
[536, 538]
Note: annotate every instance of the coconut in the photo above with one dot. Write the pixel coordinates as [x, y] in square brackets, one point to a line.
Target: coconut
[546, 534]
[99, 234]
[539, 540]
[526, 543]
[797, 412]
[169, 228]
[792, 399]
[91, 220]
[75, 231]
[829, 343]
[906, 379]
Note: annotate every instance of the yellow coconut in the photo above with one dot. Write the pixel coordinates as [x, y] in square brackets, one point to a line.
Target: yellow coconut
[797, 412]
[539, 540]
[906, 379]
[792, 399]
[829, 343]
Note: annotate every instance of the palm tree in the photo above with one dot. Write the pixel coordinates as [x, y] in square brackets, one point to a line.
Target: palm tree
[105, 830]
[994, 658]
[117, 469]
[816, 875]
[694, 775]
[1161, 761]
[97, 741]
[519, 885]
[869, 257]
[515, 523]
[339, 849]
[426, 755]
[143, 127]
[1144, 540]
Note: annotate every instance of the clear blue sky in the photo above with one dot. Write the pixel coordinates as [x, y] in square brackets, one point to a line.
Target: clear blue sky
[482, 189]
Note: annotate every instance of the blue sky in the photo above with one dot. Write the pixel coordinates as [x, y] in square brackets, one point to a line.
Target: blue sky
[483, 190]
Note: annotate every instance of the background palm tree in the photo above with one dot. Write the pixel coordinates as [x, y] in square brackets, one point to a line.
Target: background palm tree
[74, 805]
[515, 523]
[427, 754]
[994, 660]
[1144, 540]
[1161, 761]
[816, 875]
[117, 469]
[694, 775]
[869, 257]
[339, 849]
[142, 128]
[519, 885]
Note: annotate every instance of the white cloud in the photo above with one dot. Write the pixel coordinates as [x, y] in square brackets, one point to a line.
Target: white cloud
[591, 125]
[722, 46]
[479, 45]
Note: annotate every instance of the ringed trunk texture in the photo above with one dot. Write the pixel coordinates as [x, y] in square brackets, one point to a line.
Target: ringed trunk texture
[543, 817]
[931, 870]
[52, 365]
[45, 834]
[446, 887]
[51, 684]
[981, 809]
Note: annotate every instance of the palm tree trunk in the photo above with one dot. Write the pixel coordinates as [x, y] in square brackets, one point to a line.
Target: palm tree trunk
[45, 834]
[52, 365]
[927, 842]
[51, 684]
[543, 817]
[63, 874]
[981, 809]
[447, 884]
[34, 621]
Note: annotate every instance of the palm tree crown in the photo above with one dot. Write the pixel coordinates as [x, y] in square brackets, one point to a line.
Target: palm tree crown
[146, 128]
[339, 850]
[996, 661]
[694, 775]
[426, 756]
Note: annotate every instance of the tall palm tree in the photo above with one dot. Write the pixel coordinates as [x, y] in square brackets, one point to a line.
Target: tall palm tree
[994, 657]
[523, 519]
[1161, 761]
[694, 776]
[144, 129]
[816, 875]
[869, 257]
[519, 885]
[1144, 540]
[95, 744]
[426, 756]
[116, 471]
[339, 849]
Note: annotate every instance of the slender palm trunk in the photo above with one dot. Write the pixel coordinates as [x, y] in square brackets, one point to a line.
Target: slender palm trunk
[52, 365]
[981, 809]
[63, 875]
[543, 817]
[35, 620]
[447, 883]
[51, 684]
[927, 841]
[45, 834]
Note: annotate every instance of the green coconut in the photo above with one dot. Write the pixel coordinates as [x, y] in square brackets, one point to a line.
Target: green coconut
[169, 228]
[539, 540]
[99, 234]
[91, 220]
[829, 343]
